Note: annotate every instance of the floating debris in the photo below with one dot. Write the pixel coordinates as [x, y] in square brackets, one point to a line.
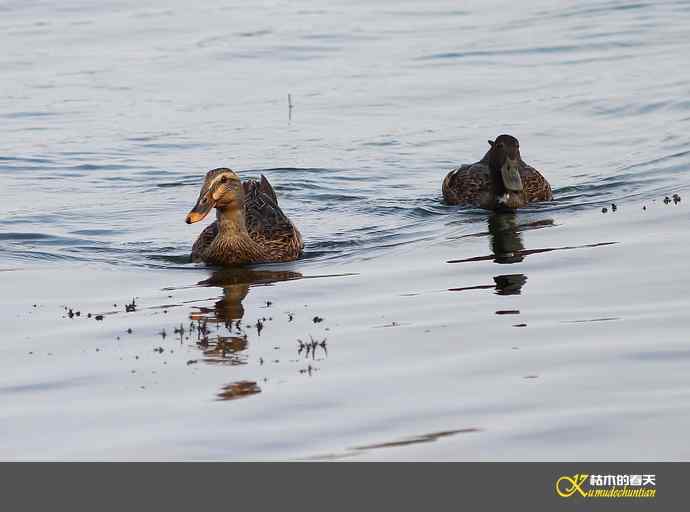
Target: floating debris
[308, 370]
[317, 319]
[99, 317]
[132, 306]
[192, 361]
[310, 347]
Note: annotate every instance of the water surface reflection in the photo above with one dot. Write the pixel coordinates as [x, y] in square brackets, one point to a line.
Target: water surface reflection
[505, 239]
[505, 236]
[240, 389]
[235, 283]
[229, 346]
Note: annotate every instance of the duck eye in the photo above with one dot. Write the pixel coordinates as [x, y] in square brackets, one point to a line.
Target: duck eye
[223, 179]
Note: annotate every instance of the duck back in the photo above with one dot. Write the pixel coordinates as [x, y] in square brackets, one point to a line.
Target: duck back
[267, 223]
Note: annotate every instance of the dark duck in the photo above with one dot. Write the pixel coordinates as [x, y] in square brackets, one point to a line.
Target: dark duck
[499, 181]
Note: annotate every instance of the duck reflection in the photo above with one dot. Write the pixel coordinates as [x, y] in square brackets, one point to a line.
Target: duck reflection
[507, 246]
[505, 236]
[505, 239]
[236, 283]
[240, 389]
[224, 350]
[229, 346]
[510, 284]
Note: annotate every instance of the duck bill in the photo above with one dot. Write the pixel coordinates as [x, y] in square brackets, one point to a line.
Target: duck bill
[201, 208]
[510, 173]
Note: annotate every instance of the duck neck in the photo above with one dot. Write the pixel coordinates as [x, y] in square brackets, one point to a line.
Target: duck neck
[231, 223]
[233, 243]
[496, 178]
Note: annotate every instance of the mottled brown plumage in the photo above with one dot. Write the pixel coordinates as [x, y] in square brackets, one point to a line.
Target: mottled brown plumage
[499, 180]
[250, 227]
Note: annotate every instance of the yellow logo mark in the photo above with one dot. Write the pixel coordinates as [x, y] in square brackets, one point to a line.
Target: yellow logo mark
[567, 486]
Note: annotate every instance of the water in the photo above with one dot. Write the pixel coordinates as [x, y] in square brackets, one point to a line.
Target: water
[556, 333]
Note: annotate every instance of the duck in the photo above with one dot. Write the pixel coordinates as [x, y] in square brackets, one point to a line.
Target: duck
[249, 228]
[499, 181]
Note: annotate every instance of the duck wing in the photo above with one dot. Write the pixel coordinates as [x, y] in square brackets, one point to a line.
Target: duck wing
[467, 184]
[267, 223]
[536, 186]
[205, 238]
[471, 185]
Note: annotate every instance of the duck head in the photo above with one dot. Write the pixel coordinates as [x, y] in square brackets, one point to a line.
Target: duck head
[222, 189]
[504, 162]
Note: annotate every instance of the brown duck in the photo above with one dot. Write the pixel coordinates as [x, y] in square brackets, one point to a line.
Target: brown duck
[250, 227]
[500, 180]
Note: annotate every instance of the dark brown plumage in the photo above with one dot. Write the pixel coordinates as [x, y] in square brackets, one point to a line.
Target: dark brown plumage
[500, 180]
[250, 227]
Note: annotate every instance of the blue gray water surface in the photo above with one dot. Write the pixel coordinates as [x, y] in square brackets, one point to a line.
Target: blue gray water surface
[556, 333]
